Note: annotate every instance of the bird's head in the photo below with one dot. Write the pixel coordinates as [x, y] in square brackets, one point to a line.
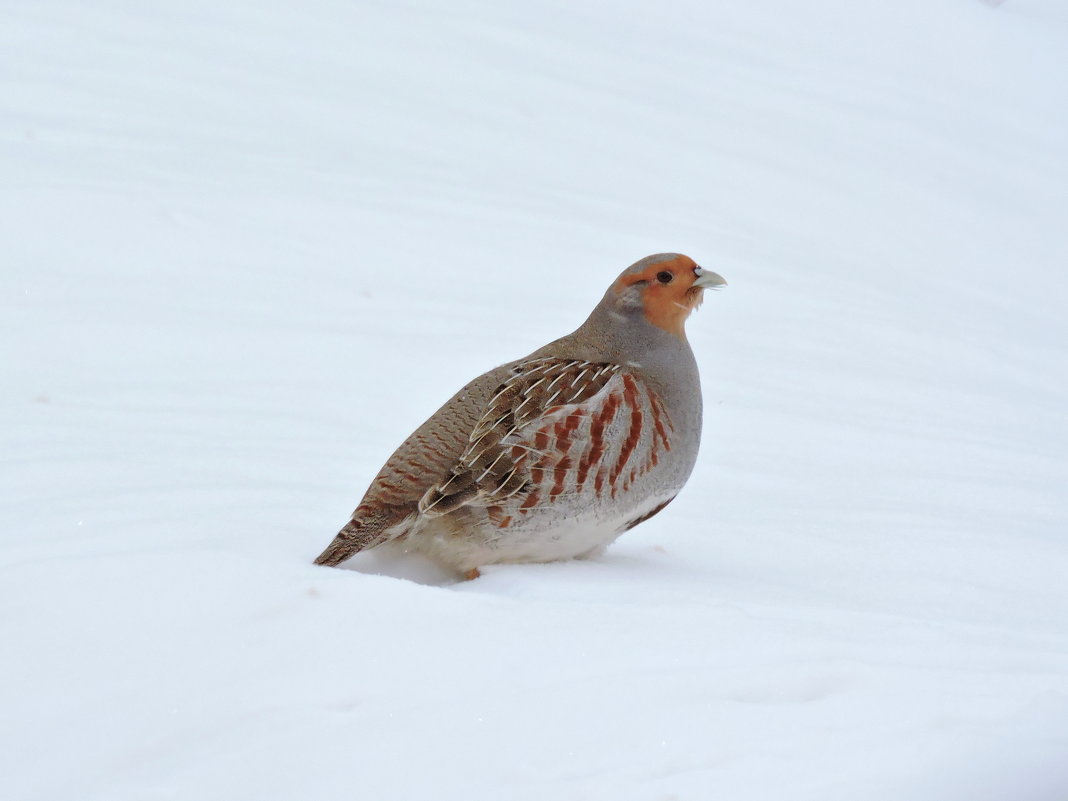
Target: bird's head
[664, 289]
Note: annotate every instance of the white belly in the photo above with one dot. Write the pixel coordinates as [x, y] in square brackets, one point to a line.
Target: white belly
[549, 539]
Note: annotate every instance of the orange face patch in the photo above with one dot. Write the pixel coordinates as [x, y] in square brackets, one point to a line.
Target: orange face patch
[667, 303]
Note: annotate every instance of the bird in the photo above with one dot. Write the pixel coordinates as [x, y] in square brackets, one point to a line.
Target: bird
[552, 456]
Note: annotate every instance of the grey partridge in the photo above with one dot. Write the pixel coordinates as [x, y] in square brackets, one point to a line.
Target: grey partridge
[555, 455]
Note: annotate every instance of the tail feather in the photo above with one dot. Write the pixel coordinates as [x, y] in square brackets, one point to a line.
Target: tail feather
[353, 538]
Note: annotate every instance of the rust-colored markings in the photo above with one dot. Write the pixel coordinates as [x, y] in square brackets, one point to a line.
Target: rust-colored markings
[541, 443]
[658, 420]
[530, 502]
[630, 398]
[564, 431]
[406, 475]
[541, 440]
[595, 452]
[388, 491]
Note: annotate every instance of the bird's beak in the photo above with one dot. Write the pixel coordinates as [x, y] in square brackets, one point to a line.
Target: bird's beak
[706, 279]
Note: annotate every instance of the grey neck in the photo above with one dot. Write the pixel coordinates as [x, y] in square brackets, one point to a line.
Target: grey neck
[626, 337]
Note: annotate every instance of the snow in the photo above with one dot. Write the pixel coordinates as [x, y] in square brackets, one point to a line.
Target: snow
[248, 247]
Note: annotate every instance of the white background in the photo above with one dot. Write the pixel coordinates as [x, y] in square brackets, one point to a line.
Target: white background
[247, 247]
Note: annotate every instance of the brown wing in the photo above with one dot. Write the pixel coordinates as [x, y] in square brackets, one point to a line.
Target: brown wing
[495, 464]
[419, 463]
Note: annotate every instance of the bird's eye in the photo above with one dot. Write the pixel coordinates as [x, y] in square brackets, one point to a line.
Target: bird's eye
[664, 277]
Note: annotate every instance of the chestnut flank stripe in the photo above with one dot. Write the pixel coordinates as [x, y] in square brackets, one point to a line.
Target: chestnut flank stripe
[541, 440]
[564, 432]
[595, 452]
[541, 443]
[658, 422]
[630, 398]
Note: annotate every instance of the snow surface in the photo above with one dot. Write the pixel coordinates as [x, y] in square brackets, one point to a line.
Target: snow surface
[248, 246]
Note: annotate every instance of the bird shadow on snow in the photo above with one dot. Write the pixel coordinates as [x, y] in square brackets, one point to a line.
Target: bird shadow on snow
[622, 564]
[394, 562]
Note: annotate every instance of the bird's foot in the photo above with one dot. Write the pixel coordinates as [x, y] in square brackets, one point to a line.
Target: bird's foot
[472, 574]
